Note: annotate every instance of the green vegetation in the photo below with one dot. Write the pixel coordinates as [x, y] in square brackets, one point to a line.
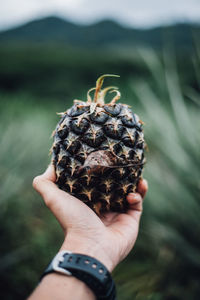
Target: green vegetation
[37, 82]
[105, 33]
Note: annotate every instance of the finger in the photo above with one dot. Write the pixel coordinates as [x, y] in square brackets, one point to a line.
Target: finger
[135, 209]
[136, 205]
[49, 174]
[134, 198]
[142, 187]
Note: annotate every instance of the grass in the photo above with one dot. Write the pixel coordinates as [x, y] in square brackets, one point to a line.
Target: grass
[165, 264]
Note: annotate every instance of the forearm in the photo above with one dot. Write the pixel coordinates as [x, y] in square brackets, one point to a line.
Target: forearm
[63, 287]
[57, 286]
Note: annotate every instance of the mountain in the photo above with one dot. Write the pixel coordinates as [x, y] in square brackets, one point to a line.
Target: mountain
[104, 33]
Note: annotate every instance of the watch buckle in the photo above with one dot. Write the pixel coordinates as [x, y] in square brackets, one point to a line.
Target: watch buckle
[60, 258]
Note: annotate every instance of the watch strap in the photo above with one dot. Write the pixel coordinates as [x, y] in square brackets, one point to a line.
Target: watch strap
[87, 269]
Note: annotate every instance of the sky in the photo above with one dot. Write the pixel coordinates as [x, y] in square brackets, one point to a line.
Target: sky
[133, 13]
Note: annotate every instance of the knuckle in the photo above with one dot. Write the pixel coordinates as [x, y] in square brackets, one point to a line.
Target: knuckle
[36, 181]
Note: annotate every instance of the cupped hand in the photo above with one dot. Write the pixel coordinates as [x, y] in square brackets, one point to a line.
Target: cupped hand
[109, 238]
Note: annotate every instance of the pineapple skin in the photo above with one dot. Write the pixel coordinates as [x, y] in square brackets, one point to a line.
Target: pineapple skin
[98, 154]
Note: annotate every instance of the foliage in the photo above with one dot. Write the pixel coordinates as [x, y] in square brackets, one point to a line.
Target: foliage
[164, 265]
[105, 33]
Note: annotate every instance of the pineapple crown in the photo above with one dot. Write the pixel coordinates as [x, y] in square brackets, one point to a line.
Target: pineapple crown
[100, 94]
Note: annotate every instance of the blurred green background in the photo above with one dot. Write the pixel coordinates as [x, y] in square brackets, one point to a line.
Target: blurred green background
[161, 81]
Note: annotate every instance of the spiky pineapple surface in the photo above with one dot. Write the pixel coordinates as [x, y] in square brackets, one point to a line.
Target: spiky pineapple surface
[98, 151]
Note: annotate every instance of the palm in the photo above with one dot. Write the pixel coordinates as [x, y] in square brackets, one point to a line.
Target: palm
[118, 231]
[122, 225]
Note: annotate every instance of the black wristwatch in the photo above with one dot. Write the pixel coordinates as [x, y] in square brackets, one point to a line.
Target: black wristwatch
[87, 269]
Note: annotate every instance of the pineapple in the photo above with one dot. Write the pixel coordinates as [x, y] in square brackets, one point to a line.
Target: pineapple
[98, 151]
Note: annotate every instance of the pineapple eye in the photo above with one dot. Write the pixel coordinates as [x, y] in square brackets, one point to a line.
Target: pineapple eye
[114, 110]
[128, 141]
[119, 173]
[79, 126]
[117, 148]
[131, 154]
[56, 149]
[65, 160]
[63, 132]
[61, 176]
[133, 174]
[90, 195]
[88, 180]
[100, 118]
[94, 138]
[107, 186]
[72, 186]
[72, 170]
[72, 146]
[77, 110]
[128, 121]
[113, 131]
[129, 138]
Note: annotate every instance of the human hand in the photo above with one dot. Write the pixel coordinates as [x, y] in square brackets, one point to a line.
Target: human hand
[109, 238]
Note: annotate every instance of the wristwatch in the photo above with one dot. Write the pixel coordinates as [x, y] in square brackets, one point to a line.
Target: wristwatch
[87, 269]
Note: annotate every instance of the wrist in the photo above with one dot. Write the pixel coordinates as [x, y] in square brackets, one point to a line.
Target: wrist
[57, 286]
[86, 269]
[90, 248]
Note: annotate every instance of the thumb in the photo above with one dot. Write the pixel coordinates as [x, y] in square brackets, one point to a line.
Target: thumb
[64, 206]
[49, 174]
[44, 184]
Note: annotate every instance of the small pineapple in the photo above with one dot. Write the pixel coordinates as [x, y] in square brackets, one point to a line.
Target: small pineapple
[98, 151]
